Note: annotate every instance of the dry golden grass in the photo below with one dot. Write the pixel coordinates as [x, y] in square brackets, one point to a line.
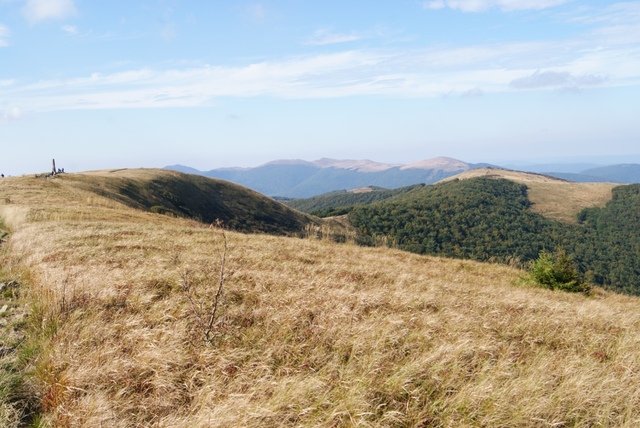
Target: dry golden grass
[553, 198]
[311, 334]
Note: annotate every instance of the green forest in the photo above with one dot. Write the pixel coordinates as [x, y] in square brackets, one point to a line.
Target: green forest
[607, 243]
[342, 201]
[489, 220]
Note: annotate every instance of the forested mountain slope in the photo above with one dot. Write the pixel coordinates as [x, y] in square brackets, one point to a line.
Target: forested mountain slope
[488, 218]
[554, 198]
[341, 202]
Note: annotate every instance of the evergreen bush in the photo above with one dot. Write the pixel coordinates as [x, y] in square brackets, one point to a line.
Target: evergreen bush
[557, 271]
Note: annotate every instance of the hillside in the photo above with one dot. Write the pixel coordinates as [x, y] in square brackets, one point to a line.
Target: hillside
[477, 218]
[341, 202]
[191, 196]
[554, 198]
[308, 333]
[302, 179]
[489, 217]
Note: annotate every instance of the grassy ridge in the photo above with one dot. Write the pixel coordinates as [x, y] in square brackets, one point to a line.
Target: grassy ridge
[311, 333]
[192, 196]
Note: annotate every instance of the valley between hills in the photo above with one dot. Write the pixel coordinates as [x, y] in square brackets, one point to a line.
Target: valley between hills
[124, 306]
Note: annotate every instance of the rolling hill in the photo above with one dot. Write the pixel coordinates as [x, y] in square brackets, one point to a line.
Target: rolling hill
[191, 196]
[554, 198]
[307, 332]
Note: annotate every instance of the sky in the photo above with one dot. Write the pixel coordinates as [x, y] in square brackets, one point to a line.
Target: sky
[207, 84]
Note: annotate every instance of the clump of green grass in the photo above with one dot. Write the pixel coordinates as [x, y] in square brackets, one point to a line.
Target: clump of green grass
[18, 404]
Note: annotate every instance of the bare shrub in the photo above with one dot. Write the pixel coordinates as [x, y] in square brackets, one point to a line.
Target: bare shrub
[199, 287]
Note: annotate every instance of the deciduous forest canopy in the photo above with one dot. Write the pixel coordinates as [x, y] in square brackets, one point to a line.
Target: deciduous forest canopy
[489, 219]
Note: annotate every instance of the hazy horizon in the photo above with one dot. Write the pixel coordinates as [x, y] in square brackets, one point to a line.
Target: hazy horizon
[506, 163]
[577, 160]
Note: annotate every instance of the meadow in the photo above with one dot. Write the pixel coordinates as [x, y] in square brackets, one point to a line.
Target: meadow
[306, 331]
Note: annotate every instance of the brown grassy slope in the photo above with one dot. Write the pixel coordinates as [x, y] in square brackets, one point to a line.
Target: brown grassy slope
[553, 198]
[192, 196]
[312, 333]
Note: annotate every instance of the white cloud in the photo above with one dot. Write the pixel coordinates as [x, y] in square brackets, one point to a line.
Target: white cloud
[10, 114]
[428, 73]
[434, 4]
[473, 93]
[590, 79]
[71, 30]
[542, 79]
[327, 37]
[481, 5]
[580, 62]
[555, 79]
[4, 35]
[617, 13]
[616, 24]
[40, 10]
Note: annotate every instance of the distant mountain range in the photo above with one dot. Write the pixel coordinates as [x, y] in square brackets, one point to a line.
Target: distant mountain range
[302, 179]
[623, 173]
[295, 178]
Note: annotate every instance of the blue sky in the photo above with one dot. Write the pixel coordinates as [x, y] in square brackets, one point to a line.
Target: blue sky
[149, 83]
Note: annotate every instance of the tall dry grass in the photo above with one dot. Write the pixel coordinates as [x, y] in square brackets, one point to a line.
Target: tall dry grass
[311, 333]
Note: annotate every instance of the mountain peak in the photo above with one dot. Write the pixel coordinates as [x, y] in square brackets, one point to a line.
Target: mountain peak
[363, 165]
[442, 163]
[289, 162]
